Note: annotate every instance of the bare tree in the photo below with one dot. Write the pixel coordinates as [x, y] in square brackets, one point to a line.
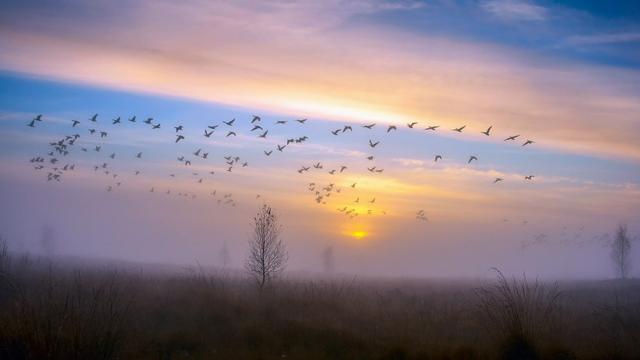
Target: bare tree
[267, 253]
[328, 259]
[620, 252]
[225, 257]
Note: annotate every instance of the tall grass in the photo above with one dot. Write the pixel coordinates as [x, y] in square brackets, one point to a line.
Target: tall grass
[520, 313]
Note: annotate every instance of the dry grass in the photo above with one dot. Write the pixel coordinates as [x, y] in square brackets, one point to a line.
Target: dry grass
[53, 312]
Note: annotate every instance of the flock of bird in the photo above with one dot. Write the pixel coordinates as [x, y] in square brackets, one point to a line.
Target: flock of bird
[97, 131]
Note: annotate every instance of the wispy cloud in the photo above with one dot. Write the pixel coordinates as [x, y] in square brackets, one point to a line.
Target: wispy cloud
[277, 57]
[515, 10]
[599, 39]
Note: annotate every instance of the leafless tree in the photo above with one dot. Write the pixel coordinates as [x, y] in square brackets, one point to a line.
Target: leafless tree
[327, 259]
[267, 253]
[620, 252]
[225, 257]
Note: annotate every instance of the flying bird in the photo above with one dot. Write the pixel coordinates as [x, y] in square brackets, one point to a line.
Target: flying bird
[281, 147]
[75, 122]
[230, 123]
[347, 127]
[281, 122]
[411, 125]
[231, 133]
[391, 127]
[208, 134]
[528, 142]
[438, 157]
[301, 121]
[256, 127]
[498, 179]
[433, 128]
[373, 144]
[32, 123]
[510, 138]
[471, 158]
[116, 121]
[256, 118]
[369, 126]
[529, 177]
[156, 126]
[133, 119]
[264, 134]
[179, 137]
[148, 121]
[335, 132]
[486, 132]
[268, 153]
[460, 128]
[94, 118]
[178, 128]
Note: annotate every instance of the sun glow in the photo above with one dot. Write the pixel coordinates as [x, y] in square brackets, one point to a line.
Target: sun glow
[358, 234]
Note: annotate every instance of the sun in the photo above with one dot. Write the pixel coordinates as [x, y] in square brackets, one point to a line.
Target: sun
[359, 234]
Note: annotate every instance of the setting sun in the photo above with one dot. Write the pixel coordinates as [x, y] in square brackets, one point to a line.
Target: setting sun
[359, 234]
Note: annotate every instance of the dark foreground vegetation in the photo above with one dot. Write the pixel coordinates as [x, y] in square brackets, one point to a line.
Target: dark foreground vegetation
[54, 311]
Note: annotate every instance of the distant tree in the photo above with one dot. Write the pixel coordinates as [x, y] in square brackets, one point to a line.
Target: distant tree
[48, 241]
[327, 259]
[225, 257]
[621, 251]
[267, 256]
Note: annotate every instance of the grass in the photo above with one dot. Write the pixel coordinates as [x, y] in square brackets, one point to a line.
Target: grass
[53, 311]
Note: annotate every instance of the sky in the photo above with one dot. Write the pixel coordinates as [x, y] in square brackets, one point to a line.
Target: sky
[564, 74]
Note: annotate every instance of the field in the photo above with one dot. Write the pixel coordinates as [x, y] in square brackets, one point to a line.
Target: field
[62, 310]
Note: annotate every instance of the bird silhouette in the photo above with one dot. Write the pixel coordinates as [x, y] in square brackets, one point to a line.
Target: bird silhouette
[92, 131]
[268, 153]
[369, 126]
[179, 137]
[156, 126]
[438, 157]
[486, 132]
[281, 122]
[255, 118]
[510, 138]
[230, 123]
[433, 128]
[460, 128]
[148, 121]
[498, 179]
[281, 147]
[75, 122]
[301, 121]
[391, 127]
[103, 134]
[335, 132]
[208, 134]
[257, 127]
[528, 142]
[471, 158]
[116, 121]
[529, 177]
[178, 128]
[317, 166]
[343, 168]
[38, 117]
[347, 127]
[197, 152]
[373, 144]
[94, 118]
[411, 125]
[213, 127]
[32, 123]
[264, 134]
[133, 119]
[231, 133]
